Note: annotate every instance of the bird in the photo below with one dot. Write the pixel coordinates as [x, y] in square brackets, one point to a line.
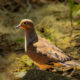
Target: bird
[42, 52]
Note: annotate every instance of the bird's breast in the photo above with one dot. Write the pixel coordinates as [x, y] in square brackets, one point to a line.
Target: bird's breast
[36, 56]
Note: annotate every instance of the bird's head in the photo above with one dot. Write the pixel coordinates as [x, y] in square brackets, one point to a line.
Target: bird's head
[26, 24]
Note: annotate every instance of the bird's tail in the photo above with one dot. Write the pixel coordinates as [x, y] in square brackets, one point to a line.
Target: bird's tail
[73, 63]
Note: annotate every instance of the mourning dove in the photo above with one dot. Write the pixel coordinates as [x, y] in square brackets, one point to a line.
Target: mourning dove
[42, 52]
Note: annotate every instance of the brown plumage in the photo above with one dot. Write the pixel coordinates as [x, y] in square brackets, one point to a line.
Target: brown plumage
[43, 53]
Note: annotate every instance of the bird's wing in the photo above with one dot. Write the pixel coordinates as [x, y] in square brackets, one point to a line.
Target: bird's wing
[54, 54]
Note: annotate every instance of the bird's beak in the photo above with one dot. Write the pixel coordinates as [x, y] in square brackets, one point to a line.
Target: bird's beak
[18, 26]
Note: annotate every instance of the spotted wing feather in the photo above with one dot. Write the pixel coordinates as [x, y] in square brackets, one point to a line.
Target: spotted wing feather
[51, 52]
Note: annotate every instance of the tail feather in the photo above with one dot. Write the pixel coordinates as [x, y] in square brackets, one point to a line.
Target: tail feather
[73, 63]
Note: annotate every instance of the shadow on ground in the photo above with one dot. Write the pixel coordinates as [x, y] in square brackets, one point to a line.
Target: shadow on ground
[43, 75]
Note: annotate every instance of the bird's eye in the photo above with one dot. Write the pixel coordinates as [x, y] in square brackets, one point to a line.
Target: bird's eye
[25, 22]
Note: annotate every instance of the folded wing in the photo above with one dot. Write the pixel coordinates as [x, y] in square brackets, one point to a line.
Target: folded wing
[51, 52]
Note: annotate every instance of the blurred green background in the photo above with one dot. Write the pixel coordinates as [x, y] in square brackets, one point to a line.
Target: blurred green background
[56, 20]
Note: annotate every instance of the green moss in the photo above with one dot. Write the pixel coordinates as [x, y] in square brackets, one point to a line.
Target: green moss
[1, 77]
[21, 40]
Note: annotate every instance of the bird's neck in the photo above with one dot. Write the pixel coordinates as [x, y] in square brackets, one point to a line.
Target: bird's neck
[30, 37]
